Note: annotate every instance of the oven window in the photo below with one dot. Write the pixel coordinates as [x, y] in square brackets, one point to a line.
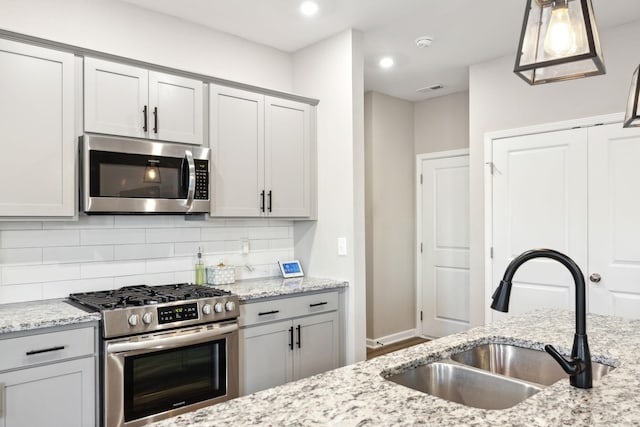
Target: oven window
[137, 176]
[169, 379]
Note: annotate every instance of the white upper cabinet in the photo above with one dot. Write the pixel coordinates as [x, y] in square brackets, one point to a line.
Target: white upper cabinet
[124, 100]
[262, 155]
[37, 147]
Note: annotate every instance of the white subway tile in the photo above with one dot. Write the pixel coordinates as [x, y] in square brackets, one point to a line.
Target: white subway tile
[280, 222]
[184, 276]
[39, 273]
[77, 254]
[83, 222]
[259, 222]
[111, 269]
[258, 245]
[21, 225]
[191, 248]
[166, 265]
[20, 293]
[38, 238]
[165, 235]
[207, 223]
[112, 237]
[225, 233]
[146, 251]
[64, 288]
[281, 244]
[21, 256]
[269, 233]
[144, 279]
[143, 221]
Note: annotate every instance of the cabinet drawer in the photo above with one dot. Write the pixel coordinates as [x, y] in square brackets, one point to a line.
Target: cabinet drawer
[285, 308]
[48, 347]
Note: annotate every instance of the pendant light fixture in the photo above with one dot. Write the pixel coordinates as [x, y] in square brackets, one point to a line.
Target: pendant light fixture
[559, 41]
[632, 116]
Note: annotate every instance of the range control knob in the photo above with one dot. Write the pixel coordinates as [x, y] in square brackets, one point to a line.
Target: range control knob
[230, 306]
[133, 320]
[218, 307]
[206, 309]
[147, 317]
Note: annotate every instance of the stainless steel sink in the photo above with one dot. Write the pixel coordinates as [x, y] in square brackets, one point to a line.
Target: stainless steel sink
[522, 363]
[489, 376]
[466, 386]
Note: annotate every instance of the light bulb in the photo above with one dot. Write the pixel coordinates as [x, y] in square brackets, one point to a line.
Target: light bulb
[309, 8]
[386, 62]
[560, 39]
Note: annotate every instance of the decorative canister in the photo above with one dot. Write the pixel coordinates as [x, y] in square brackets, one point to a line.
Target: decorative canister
[221, 274]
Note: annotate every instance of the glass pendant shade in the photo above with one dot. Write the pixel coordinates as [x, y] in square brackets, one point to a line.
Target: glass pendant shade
[632, 117]
[559, 41]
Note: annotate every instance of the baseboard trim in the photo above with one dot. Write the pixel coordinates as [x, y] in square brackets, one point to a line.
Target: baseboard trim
[391, 339]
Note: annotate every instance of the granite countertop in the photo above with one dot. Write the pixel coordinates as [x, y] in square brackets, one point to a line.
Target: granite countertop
[248, 290]
[358, 395]
[25, 316]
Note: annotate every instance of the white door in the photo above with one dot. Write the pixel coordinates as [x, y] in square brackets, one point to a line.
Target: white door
[614, 220]
[445, 243]
[176, 108]
[236, 137]
[316, 344]
[266, 356]
[36, 123]
[115, 98]
[539, 201]
[287, 160]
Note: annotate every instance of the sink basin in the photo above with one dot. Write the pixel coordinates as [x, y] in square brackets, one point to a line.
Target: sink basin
[522, 363]
[467, 386]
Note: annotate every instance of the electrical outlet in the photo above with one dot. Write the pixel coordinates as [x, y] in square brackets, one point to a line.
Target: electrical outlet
[244, 246]
[342, 246]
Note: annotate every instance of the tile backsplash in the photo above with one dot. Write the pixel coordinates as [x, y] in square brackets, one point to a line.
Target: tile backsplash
[41, 260]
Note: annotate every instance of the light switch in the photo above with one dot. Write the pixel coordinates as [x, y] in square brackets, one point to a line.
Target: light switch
[342, 246]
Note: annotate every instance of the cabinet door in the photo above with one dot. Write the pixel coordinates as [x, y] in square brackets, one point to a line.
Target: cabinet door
[265, 356]
[287, 158]
[316, 344]
[115, 98]
[237, 151]
[61, 394]
[614, 228]
[176, 108]
[37, 168]
[539, 201]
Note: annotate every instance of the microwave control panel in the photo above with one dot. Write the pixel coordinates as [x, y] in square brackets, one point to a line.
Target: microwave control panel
[202, 180]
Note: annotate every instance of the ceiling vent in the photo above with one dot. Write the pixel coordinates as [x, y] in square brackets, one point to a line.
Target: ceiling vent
[430, 88]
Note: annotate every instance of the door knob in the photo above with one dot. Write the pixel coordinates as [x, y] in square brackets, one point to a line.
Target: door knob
[595, 278]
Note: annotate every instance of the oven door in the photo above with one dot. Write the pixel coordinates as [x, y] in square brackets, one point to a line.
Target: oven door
[156, 376]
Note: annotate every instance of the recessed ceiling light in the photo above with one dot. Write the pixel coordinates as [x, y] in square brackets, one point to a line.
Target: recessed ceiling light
[309, 8]
[424, 41]
[386, 62]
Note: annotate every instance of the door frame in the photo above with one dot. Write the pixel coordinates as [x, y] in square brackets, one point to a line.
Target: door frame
[487, 162]
[419, 159]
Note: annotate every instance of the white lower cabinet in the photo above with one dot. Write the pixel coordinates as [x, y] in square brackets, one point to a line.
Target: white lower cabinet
[49, 379]
[288, 339]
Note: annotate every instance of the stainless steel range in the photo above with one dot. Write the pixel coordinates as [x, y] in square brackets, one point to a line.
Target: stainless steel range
[165, 350]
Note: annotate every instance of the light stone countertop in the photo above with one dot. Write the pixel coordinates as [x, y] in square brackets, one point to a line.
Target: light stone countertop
[358, 395]
[249, 290]
[25, 316]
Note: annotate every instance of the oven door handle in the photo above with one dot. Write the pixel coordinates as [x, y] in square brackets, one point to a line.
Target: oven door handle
[191, 186]
[194, 337]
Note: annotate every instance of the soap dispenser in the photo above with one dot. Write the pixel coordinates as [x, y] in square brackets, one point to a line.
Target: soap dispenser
[199, 269]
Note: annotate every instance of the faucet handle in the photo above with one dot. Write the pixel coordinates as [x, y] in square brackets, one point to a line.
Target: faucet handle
[571, 367]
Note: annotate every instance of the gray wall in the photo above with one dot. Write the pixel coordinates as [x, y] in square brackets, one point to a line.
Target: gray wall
[390, 215]
[500, 100]
[442, 123]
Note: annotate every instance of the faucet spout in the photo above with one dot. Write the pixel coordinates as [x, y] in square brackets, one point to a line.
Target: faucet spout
[579, 367]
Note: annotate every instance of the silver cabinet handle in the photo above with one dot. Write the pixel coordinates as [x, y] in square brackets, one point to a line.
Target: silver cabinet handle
[595, 278]
[191, 188]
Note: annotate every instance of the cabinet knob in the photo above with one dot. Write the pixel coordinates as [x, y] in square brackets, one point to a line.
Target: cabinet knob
[595, 278]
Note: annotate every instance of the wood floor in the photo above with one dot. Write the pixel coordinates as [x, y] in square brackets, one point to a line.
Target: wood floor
[379, 351]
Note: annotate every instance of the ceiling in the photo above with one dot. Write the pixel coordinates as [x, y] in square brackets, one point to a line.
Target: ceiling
[464, 32]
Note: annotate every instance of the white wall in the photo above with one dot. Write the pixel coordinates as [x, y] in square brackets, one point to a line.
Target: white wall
[499, 100]
[442, 123]
[331, 71]
[126, 30]
[390, 213]
[40, 260]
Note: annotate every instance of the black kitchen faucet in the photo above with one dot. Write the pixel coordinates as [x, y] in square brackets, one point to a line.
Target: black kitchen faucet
[579, 367]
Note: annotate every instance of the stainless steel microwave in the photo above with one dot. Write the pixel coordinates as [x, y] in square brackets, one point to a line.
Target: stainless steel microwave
[123, 175]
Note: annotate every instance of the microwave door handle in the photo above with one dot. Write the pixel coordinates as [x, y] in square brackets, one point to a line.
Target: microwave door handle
[191, 186]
